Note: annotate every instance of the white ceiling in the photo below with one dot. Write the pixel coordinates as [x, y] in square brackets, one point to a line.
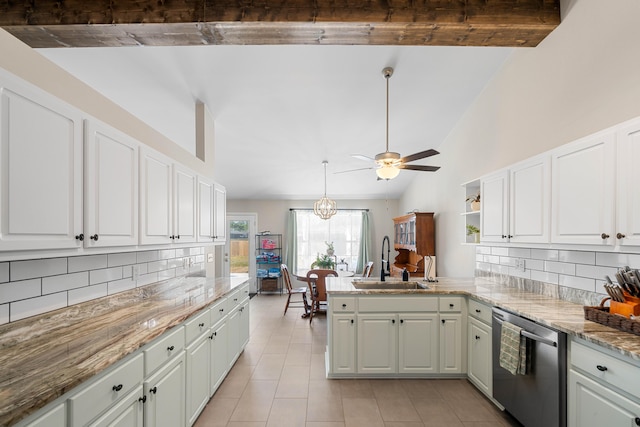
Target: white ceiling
[280, 110]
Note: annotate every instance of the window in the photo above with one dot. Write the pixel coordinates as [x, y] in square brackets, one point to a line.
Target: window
[343, 229]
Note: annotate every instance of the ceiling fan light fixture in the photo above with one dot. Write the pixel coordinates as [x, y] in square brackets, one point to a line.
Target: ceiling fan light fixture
[387, 171]
[325, 208]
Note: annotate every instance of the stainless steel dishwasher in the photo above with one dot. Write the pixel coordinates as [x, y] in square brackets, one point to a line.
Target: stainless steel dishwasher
[538, 398]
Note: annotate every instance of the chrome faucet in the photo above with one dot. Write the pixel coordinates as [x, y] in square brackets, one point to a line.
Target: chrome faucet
[383, 274]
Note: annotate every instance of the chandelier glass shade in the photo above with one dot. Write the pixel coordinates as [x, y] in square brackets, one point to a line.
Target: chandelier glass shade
[325, 208]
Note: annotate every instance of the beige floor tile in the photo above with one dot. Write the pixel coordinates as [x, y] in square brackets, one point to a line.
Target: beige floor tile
[356, 388]
[388, 389]
[325, 424]
[358, 409]
[231, 388]
[363, 422]
[420, 389]
[269, 367]
[288, 413]
[246, 424]
[436, 412]
[403, 424]
[397, 409]
[216, 413]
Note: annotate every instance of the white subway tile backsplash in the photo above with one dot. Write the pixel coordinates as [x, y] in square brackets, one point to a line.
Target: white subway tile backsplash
[120, 286]
[544, 254]
[182, 252]
[595, 272]
[195, 251]
[520, 252]
[64, 282]
[577, 283]
[618, 260]
[534, 264]
[479, 257]
[125, 258]
[14, 291]
[147, 256]
[500, 251]
[485, 250]
[167, 274]
[21, 270]
[175, 263]
[167, 254]
[146, 279]
[156, 266]
[105, 275]
[493, 259]
[4, 272]
[34, 306]
[86, 263]
[76, 296]
[544, 276]
[505, 260]
[483, 266]
[499, 269]
[127, 271]
[518, 273]
[560, 267]
[4, 314]
[577, 257]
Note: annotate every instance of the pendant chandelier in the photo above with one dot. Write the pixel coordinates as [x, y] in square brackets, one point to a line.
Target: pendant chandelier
[325, 208]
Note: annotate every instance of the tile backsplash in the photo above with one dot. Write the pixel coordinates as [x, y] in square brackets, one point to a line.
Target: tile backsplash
[32, 287]
[573, 275]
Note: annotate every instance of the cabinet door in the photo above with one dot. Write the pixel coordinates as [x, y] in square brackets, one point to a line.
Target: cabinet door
[56, 417]
[218, 354]
[244, 325]
[111, 187]
[451, 344]
[155, 198]
[233, 341]
[594, 405]
[165, 392]
[479, 361]
[197, 378]
[127, 413]
[628, 196]
[220, 219]
[343, 344]
[494, 208]
[529, 201]
[583, 188]
[205, 210]
[377, 343]
[418, 343]
[184, 204]
[40, 171]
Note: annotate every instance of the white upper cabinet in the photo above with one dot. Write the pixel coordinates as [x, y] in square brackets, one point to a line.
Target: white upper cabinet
[40, 169]
[220, 214]
[205, 210]
[583, 189]
[111, 187]
[494, 207]
[184, 204]
[529, 200]
[628, 194]
[156, 209]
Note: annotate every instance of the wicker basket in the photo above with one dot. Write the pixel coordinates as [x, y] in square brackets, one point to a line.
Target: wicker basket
[601, 315]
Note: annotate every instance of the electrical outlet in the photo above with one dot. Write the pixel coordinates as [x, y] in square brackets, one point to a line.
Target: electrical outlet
[209, 257]
[520, 264]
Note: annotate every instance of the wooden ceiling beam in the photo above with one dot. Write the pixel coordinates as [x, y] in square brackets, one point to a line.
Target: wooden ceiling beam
[76, 23]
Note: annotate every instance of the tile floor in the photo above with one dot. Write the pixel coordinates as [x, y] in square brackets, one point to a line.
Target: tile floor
[279, 381]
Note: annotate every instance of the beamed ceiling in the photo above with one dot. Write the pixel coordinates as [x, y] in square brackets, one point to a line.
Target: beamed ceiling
[77, 23]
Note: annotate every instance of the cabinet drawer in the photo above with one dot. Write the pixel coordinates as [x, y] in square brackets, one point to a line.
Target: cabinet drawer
[343, 304]
[105, 391]
[606, 368]
[160, 352]
[244, 291]
[480, 311]
[397, 303]
[218, 310]
[197, 325]
[233, 299]
[451, 304]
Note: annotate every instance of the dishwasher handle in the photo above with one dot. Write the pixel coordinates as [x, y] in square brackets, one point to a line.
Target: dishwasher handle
[533, 336]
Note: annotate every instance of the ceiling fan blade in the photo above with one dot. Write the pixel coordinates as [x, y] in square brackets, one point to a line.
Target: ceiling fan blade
[362, 157]
[418, 156]
[419, 168]
[354, 170]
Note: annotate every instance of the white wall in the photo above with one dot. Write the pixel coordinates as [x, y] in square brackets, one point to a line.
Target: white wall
[19, 59]
[272, 216]
[583, 77]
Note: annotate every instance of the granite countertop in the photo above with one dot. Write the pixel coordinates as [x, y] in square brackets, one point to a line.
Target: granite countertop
[559, 314]
[43, 357]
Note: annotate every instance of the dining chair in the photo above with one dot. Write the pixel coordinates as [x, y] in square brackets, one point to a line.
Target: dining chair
[318, 289]
[294, 291]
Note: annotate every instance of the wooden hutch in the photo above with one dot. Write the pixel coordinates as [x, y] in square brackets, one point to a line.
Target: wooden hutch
[414, 238]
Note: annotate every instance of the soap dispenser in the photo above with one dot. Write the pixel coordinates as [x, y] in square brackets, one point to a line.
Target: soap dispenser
[405, 275]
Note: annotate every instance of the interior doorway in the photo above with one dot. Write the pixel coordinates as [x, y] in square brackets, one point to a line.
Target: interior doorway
[240, 246]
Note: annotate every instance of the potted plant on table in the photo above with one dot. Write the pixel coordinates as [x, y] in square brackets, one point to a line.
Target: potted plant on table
[475, 231]
[323, 261]
[330, 250]
[474, 202]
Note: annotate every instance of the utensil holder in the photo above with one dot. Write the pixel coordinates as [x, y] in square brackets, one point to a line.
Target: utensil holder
[630, 307]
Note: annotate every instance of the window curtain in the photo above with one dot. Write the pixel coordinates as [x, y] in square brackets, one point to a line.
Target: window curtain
[364, 253]
[291, 250]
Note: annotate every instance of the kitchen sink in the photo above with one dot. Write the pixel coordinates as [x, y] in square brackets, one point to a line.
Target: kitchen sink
[388, 284]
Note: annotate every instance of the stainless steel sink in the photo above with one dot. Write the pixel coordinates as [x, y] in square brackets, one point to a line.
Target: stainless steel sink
[388, 284]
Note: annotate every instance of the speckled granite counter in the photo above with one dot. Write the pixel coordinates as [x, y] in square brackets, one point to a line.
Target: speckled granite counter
[45, 356]
[561, 315]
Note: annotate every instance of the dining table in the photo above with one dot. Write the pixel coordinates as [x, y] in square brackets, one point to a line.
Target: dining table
[302, 276]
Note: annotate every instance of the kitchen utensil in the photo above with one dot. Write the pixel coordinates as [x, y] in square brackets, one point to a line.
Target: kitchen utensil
[606, 288]
[619, 292]
[608, 279]
[621, 281]
[632, 287]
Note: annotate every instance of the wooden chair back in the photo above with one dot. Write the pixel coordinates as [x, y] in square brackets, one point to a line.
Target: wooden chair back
[367, 269]
[286, 277]
[317, 277]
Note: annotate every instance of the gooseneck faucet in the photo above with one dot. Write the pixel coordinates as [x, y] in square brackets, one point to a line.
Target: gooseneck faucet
[383, 274]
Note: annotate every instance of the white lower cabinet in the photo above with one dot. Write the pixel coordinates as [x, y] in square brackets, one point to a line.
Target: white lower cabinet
[417, 343]
[165, 395]
[218, 366]
[479, 358]
[56, 417]
[198, 361]
[343, 343]
[452, 344]
[126, 413]
[377, 343]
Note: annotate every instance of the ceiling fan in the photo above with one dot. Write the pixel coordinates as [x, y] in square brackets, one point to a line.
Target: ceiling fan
[389, 163]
